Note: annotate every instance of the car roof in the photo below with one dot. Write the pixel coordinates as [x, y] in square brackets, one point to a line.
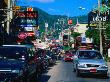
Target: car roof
[28, 46]
[89, 50]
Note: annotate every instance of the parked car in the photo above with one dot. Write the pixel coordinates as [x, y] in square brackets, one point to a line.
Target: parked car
[89, 62]
[42, 63]
[68, 56]
[51, 57]
[17, 62]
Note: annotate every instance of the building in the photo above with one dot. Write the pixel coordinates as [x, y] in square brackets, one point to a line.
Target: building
[80, 28]
[2, 18]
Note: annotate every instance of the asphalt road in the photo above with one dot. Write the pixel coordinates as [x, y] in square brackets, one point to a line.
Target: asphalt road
[63, 72]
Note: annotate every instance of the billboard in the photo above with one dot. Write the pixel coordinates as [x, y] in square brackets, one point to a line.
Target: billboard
[94, 17]
[27, 18]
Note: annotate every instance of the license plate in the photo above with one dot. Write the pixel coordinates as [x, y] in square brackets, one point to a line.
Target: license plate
[93, 70]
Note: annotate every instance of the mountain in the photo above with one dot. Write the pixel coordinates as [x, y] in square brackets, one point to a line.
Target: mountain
[44, 17]
[56, 23]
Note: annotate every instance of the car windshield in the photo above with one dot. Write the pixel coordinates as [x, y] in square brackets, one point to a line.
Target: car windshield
[89, 55]
[12, 52]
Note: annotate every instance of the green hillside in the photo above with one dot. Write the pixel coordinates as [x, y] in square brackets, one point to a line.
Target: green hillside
[53, 24]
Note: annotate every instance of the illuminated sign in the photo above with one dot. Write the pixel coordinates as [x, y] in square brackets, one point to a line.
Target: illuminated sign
[30, 34]
[22, 35]
[32, 22]
[27, 14]
[27, 18]
[29, 9]
[29, 28]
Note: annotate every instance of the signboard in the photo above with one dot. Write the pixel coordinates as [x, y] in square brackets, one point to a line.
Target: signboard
[94, 17]
[37, 33]
[29, 22]
[29, 9]
[16, 7]
[27, 14]
[70, 22]
[30, 33]
[100, 18]
[46, 24]
[29, 28]
[22, 35]
[109, 52]
[83, 40]
[27, 18]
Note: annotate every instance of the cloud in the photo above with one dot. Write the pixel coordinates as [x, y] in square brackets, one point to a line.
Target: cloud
[43, 1]
[51, 9]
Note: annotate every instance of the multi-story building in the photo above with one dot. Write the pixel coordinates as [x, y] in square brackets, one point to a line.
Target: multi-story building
[3, 5]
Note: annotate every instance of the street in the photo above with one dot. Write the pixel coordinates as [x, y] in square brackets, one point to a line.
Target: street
[63, 72]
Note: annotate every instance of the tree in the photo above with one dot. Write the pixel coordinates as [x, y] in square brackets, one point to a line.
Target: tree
[108, 30]
[103, 1]
[75, 34]
[93, 33]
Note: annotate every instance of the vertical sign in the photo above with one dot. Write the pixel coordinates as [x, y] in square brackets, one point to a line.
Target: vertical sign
[46, 24]
[109, 52]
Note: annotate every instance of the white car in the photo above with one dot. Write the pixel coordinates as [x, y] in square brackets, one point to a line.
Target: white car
[89, 61]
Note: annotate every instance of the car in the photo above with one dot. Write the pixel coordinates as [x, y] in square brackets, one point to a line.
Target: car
[17, 62]
[51, 57]
[89, 62]
[68, 56]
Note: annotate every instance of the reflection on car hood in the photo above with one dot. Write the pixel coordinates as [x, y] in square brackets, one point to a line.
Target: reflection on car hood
[92, 61]
[11, 64]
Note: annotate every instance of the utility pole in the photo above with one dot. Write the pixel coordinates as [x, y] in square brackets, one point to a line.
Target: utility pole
[100, 30]
[8, 16]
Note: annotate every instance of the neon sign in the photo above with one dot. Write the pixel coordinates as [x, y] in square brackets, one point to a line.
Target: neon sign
[28, 14]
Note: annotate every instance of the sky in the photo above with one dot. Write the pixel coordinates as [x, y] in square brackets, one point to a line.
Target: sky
[61, 7]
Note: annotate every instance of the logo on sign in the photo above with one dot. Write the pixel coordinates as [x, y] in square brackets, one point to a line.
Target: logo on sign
[83, 39]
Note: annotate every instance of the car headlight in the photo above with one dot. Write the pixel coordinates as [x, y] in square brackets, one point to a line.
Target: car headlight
[82, 65]
[104, 66]
[15, 71]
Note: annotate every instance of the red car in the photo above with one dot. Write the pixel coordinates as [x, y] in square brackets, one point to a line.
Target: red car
[68, 56]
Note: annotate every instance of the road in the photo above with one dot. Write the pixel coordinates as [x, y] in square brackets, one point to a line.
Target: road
[63, 72]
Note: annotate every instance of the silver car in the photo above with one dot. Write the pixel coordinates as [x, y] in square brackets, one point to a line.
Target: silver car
[89, 61]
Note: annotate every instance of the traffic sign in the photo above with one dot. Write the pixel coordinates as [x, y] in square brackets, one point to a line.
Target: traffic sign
[29, 9]
[22, 35]
[70, 22]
